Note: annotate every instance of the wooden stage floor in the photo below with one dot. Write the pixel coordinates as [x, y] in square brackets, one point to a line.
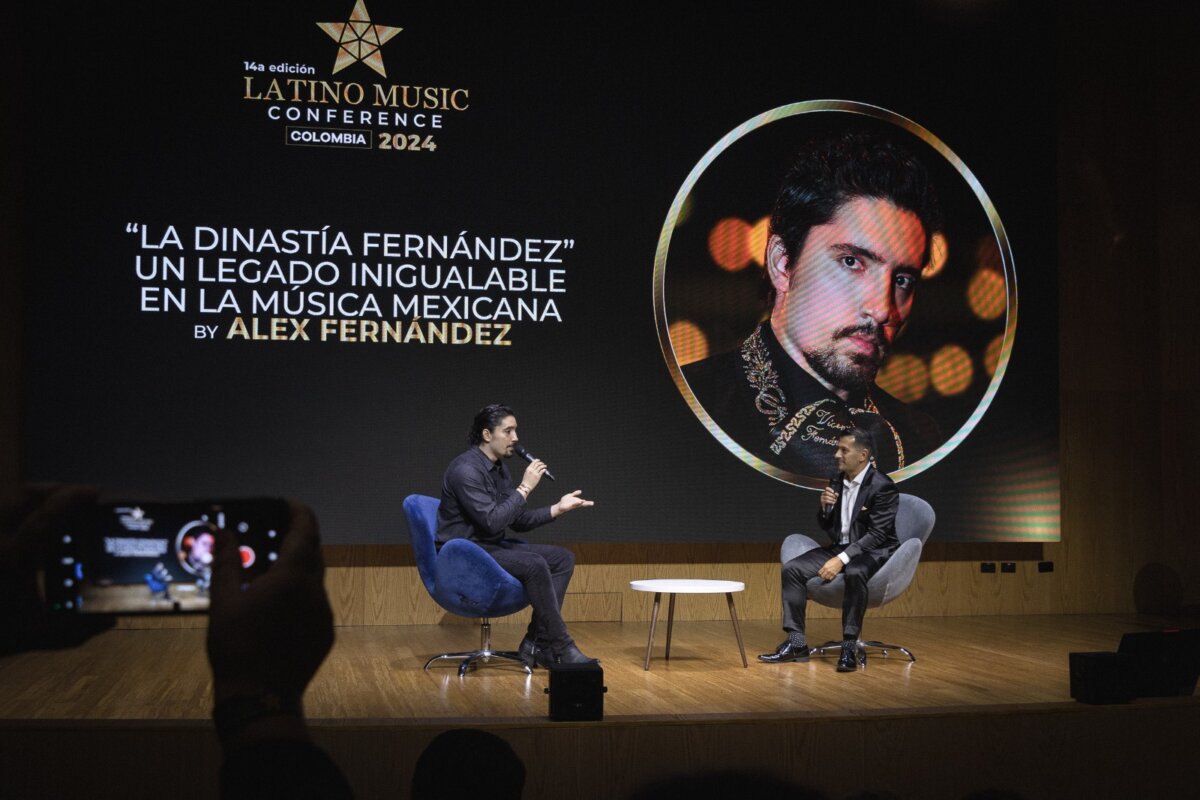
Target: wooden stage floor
[997, 682]
[375, 672]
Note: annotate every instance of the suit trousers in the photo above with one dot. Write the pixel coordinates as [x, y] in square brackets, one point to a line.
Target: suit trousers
[544, 570]
[804, 567]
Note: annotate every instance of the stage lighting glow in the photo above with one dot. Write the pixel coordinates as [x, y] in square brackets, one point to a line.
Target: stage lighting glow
[905, 377]
[685, 209]
[951, 370]
[991, 355]
[759, 234]
[729, 244]
[939, 251]
[689, 341]
[985, 294]
[987, 255]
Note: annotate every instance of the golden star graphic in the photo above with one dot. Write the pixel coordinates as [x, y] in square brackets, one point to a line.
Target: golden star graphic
[359, 39]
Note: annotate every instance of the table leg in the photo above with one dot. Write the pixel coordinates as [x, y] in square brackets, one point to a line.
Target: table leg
[653, 623]
[670, 622]
[736, 629]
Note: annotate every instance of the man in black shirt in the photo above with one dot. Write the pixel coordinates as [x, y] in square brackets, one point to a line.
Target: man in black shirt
[479, 502]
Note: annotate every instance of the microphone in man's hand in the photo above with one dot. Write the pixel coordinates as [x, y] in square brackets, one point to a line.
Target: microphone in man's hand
[520, 450]
[834, 483]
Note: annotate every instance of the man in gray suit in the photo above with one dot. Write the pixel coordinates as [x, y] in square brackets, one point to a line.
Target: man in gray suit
[858, 510]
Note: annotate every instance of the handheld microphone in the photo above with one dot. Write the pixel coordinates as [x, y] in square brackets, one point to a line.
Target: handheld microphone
[834, 482]
[520, 450]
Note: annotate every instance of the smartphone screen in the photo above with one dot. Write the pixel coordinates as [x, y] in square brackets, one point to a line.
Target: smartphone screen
[151, 557]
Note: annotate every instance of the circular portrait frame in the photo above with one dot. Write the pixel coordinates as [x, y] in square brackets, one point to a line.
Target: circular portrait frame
[679, 209]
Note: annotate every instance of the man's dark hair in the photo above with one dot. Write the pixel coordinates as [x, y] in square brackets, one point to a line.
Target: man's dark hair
[862, 439]
[486, 420]
[829, 172]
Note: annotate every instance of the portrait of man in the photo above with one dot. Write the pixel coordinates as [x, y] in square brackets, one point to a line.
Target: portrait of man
[851, 230]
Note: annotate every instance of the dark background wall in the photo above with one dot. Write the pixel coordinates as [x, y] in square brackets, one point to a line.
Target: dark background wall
[1129, 225]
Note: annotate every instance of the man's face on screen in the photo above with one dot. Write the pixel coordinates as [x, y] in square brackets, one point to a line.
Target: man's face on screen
[839, 306]
[499, 441]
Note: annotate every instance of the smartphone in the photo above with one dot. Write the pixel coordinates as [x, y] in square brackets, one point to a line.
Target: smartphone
[132, 557]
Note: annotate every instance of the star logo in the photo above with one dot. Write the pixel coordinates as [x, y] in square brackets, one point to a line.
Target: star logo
[359, 39]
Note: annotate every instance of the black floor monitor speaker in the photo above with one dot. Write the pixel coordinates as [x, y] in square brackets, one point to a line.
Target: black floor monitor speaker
[1167, 662]
[576, 692]
[1162, 663]
[1101, 678]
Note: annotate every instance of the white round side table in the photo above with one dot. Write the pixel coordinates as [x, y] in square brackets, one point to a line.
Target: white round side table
[674, 586]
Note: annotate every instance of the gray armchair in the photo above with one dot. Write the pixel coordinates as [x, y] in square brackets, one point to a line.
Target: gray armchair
[914, 523]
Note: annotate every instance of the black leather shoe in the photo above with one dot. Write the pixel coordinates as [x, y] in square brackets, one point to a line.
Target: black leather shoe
[570, 654]
[848, 660]
[528, 652]
[785, 652]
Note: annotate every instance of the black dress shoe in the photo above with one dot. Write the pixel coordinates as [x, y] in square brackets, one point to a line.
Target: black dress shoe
[848, 660]
[786, 652]
[528, 652]
[568, 654]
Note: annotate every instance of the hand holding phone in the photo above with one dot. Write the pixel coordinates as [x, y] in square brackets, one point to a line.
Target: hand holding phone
[131, 557]
[29, 525]
[269, 636]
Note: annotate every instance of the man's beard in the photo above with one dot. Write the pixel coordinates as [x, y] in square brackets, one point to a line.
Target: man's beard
[854, 372]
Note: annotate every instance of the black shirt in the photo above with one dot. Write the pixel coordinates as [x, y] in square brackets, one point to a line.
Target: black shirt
[770, 406]
[479, 501]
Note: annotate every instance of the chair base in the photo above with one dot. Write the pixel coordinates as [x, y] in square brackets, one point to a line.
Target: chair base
[861, 646]
[474, 658]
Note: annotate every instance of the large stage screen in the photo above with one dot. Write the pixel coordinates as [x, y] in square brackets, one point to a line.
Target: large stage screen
[291, 248]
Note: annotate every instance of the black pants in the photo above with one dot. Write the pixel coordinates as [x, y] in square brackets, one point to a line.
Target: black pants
[544, 570]
[798, 571]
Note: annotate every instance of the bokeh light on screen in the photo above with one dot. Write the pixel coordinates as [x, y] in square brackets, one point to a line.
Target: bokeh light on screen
[939, 251]
[729, 244]
[987, 255]
[950, 370]
[759, 234]
[685, 209]
[905, 377]
[689, 341]
[986, 294]
[991, 355]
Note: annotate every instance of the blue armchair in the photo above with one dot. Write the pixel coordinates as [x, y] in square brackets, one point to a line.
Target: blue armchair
[914, 523]
[463, 579]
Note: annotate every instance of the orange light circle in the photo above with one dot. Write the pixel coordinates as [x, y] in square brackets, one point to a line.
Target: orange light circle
[685, 210]
[991, 355]
[905, 377]
[689, 341]
[759, 233]
[986, 295]
[950, 370]
[987, 255]
[729, 244]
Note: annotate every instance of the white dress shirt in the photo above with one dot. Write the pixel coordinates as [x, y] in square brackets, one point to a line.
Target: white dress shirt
[850, 508]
